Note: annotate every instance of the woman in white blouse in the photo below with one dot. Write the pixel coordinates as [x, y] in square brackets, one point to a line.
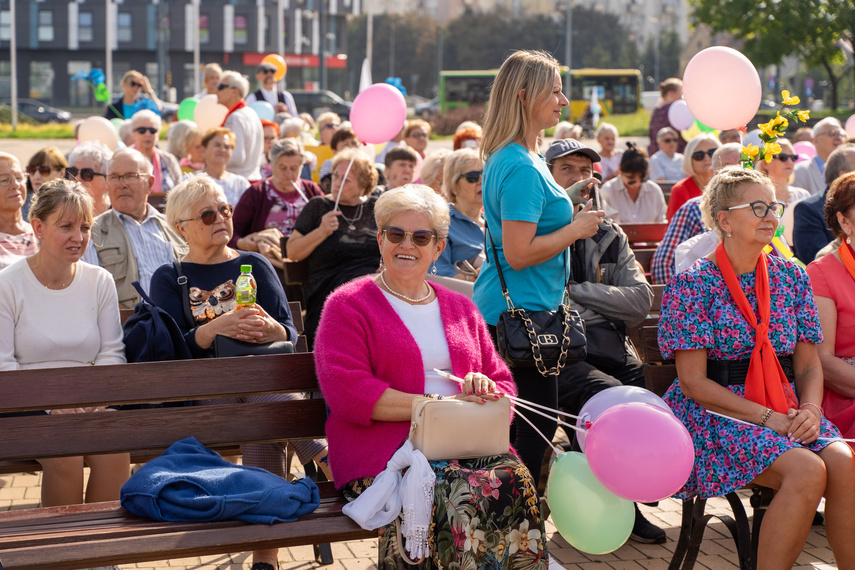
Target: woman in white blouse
[58, 311]
[217, 145]
[631, 198]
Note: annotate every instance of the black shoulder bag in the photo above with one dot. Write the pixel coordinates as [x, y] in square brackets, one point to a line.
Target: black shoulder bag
[546, 340]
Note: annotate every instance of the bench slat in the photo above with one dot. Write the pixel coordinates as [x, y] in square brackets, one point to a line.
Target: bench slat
[156, 429]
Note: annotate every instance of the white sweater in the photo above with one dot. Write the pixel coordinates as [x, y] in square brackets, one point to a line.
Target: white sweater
[45, 328]
[249, 143]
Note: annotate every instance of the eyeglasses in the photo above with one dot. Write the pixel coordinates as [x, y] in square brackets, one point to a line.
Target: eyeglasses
[134, 84]
[472, 176]
[418, 135]
[128, 179]
[208, 217]
[330, 126]
[44, 170]
[84, 174]
[634, 181]
[10, 181]
[700, 154]
[833, 133]
[783, 157]
[762, 209]
[669, 140]
[222, 86]
[144, 130]
[266, 71]
[420, 238]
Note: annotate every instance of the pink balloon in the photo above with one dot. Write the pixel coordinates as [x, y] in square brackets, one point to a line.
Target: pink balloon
[680, 116]
[640, 452]
[805, 150]
[850, 126]
[378, 113]
[602, 401]
[722, 88]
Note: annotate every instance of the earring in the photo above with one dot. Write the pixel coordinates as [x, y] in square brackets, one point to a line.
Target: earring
[433, 269]
[728, 234]
[848, 240]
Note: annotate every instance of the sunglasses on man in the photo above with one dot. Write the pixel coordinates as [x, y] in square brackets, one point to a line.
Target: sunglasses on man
[84, 174]
[222, 86]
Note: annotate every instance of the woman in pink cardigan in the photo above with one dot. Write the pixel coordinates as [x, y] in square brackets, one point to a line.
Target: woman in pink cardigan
[379, 339]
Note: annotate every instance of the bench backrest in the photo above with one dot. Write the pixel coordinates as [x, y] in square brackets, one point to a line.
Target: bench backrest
[156, 428]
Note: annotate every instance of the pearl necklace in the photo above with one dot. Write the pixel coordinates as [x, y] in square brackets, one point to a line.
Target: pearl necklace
[404, 297]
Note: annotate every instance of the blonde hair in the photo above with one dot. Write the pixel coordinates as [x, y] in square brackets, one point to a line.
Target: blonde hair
[723, 191]
[363, 167]
[181, 199]
[212, 69]
[507, 119]
[68, 197]
[413, 198]
[761, 164]
[688, 166]
[179, 135]
[416, 124]
[434, 166]
[454, 167]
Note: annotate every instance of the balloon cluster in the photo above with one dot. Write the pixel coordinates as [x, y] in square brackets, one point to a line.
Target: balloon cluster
[635, 450]
[97, 80]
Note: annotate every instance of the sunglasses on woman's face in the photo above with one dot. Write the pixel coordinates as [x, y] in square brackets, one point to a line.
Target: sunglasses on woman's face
[472, 176]
[669, 140]
[44, 170]
[144, 130]
[700, 154]
[420, 238]
[783, 157]
[134, 84]
[84, 174]
[208, 217]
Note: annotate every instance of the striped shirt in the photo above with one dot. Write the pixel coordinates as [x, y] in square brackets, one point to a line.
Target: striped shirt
[686, 223]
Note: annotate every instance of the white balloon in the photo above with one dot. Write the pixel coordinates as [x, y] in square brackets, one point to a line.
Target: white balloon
[98, 129]
[209, 113]
[680, 116]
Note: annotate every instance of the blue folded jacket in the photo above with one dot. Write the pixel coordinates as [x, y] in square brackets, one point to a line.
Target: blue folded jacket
[189, 482]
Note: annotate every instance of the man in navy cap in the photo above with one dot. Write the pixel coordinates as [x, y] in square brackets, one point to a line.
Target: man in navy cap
[282, 101]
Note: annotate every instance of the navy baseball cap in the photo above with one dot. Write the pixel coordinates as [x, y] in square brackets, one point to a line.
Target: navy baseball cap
[566, 147]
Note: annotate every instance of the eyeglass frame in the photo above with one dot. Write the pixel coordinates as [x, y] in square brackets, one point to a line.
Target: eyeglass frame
[783, 157]
[44, 169]
[470, 174]
[221, 86]
[670, 140]
[708, 153]
[411, 235]
[209, 212]
[115, 179]
[769, 207]
[17, 183]
[144, 130]
[84, 173]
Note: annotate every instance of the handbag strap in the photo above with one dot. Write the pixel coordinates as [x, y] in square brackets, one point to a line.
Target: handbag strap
[185, 292]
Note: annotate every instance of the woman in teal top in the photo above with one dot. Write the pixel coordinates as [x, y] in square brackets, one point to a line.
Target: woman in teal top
[529, 217]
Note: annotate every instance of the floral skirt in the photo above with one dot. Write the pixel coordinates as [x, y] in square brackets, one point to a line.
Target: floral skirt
[729, 454]
[485, 516]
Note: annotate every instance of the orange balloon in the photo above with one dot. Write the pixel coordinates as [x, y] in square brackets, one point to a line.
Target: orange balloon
[278, 61]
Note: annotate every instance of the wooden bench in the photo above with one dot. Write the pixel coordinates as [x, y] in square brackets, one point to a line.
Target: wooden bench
[648, 234]
[104, 533]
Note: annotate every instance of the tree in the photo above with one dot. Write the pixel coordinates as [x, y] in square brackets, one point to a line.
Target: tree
[810, 29]
[670, 48]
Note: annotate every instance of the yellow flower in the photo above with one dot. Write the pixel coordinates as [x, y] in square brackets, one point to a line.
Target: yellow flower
[768, 129]
[780, 123]
[770, 150]
[751, 151]
[803, 115]
[789, 100]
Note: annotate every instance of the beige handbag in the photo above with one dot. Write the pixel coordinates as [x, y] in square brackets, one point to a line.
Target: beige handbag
[454, 429]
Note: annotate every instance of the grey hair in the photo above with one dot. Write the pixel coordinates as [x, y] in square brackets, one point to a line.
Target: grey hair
[286, 147]
[143, 164]
[563, 130]
[293, 126]
[839, 162]
[724, 190]
[717, 157]
[179, 135]
[824, 124]
[413, 198]
[91, 151]
[663, 132]
[146, 114]
[454, 167]
[235, 79]
[434, 165]
[606, 127]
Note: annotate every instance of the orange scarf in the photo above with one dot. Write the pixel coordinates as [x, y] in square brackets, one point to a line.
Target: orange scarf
[766, 382]
[847, 257]
[239, 105]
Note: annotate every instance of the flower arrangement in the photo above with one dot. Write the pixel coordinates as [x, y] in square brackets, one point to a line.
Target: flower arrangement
[769, 132]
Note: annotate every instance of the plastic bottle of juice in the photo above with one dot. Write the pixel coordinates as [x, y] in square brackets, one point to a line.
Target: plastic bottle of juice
[245, 288]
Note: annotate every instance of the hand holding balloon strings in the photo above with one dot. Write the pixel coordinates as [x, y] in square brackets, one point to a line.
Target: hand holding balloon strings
[755, 425]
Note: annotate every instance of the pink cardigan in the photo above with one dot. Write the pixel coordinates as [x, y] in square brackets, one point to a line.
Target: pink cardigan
[362, 348]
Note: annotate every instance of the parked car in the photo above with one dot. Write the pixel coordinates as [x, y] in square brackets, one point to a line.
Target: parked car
[317, 102]
[39, 111]
[428, 109]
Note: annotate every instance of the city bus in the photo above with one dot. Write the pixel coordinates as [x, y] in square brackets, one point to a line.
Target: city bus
[618, 90]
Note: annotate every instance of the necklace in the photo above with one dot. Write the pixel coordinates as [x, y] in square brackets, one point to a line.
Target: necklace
[404, 297]
[355, 218]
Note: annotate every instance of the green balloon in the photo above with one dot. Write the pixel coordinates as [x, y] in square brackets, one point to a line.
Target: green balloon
[187, 108]
[589, 516]
[101, 93]
[116, 123]
[703, 127]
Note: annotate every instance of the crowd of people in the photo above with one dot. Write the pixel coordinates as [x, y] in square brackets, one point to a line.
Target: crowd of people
[413, 254]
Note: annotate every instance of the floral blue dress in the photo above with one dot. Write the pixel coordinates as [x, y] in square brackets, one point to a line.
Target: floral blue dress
[698, 312]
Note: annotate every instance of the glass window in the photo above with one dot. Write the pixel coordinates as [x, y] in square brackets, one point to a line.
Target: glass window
[204, 31]
[84, 26]
[241, 36]
[5, 79]
[5, 25]
[41, 80]
[125, 32]
[45, 25]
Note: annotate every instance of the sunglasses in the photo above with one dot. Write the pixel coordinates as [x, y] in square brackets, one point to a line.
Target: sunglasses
[783, 157]
[761, 209]
[330, 126]
[669, 140]
[266, 71]
[222, 86]
[144, 130]
[84, 174]
[134, 84]
[208, 217]
[699, 154]
[44, 170]
[472, 176]
[420, 238]
[634, 181]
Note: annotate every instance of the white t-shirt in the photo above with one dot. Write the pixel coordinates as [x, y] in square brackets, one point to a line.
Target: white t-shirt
[47, 328]
[233, 185]
[669, 169]
[425, 324]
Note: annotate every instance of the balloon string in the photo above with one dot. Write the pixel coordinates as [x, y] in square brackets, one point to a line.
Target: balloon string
[767, 427]
[296, 186]
[459, 380]
[344, 178]
[553, 418]
[554, 447]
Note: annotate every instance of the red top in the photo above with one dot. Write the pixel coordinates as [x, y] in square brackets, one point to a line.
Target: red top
[680, 194]
[829, 279]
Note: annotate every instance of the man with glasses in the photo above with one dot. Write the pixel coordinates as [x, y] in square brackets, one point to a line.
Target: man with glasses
[828, 134]
[245, 124]
[282, 101]
[17, 239]
[666, 164]
[133, 239]
[87, 163]
[610, 292]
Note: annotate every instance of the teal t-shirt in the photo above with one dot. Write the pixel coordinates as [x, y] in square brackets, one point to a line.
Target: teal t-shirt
[518, 186]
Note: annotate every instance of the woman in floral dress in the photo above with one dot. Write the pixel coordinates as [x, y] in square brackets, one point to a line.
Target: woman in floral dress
[742, 328]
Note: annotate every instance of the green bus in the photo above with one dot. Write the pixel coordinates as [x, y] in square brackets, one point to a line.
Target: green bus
[618, 90]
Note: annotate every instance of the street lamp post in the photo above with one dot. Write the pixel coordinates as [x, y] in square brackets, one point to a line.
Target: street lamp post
[13, 52]
[322, 68]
